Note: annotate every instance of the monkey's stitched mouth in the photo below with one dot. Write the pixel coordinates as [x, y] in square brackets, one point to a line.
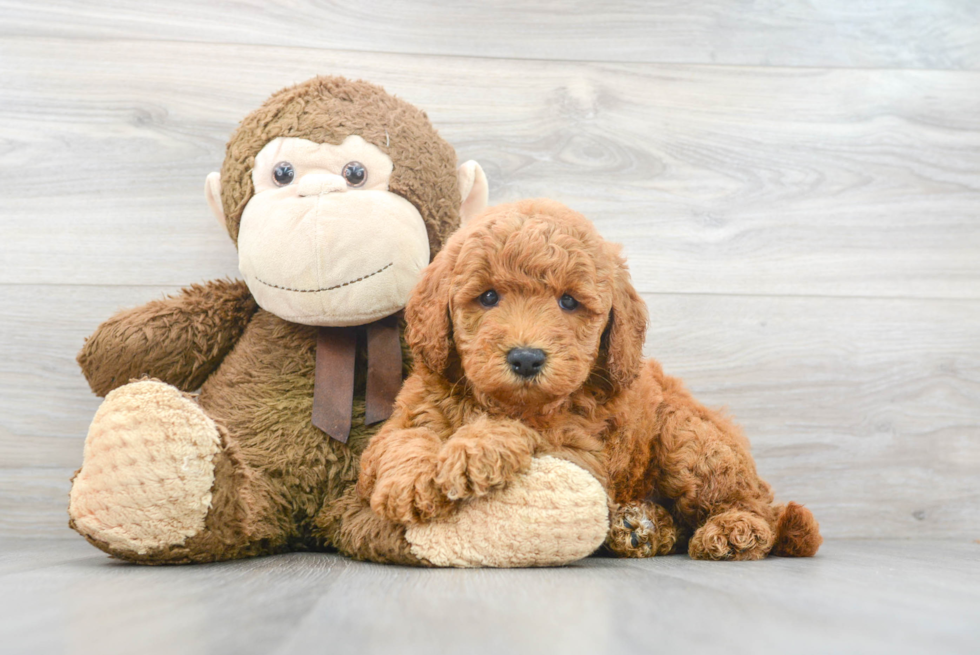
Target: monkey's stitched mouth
[336, 286]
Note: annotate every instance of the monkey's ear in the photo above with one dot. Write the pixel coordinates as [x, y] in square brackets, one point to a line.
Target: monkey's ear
[473, 189]
[212, 191]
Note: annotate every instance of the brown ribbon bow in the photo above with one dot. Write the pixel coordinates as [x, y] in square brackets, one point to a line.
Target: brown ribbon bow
[333, 385]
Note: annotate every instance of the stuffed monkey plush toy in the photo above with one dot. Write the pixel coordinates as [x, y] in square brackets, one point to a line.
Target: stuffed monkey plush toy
[235, 411]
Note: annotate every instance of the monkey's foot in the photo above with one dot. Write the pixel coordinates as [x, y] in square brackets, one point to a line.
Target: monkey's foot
[641, 530]
[554, 514]
[147, 472]
[732, 535]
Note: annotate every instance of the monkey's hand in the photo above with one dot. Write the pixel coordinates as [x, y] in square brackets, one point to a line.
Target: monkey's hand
[180, 339]
[485, 455]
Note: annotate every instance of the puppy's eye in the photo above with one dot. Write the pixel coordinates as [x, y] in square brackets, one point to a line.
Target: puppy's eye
[355, 173]
[489, 298]
[567, 303]
[283, 173]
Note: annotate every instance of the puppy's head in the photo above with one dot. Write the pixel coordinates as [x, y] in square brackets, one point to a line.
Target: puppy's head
[529, 304]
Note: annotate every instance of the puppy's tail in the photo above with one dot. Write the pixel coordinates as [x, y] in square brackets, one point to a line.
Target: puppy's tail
[797, 532]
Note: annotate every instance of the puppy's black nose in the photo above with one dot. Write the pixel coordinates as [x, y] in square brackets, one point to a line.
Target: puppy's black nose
[526, 362]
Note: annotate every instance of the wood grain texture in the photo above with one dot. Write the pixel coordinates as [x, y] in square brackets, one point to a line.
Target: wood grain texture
[717, 179]
[866, 410]
[866, 597]
[830, 33]
[803, 215]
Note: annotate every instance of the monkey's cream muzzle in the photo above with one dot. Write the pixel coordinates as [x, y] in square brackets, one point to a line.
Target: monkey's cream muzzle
[321, 259]
[320, 251]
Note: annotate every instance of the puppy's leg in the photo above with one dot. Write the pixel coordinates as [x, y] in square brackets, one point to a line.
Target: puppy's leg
[398, 470]
[734, 534]
[703, 463]
[641, 530]
[484, 455]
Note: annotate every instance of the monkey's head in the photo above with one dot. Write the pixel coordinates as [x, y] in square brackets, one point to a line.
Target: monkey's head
[337, 194]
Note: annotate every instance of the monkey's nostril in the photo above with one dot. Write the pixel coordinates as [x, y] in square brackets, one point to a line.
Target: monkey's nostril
[526, 362]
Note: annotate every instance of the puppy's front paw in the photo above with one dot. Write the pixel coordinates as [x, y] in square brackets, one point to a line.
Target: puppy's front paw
[641, 530]
[732, 535]
[470, 465]
[408, 496]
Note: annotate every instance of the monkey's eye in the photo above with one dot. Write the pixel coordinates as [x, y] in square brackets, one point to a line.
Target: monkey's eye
[489, 298]
[355, 173]
[283, 173]
[567, 303]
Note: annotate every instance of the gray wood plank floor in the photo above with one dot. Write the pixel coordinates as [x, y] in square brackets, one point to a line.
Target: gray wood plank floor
[797, 186]
[855, 597]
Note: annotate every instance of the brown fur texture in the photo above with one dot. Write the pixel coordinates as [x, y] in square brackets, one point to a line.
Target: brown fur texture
[280, 483]
[465, 423]
[199, 328]
[797, 532]
[327, 110]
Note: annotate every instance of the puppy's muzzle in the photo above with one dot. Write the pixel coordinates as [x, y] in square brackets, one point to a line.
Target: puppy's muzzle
[526, 362]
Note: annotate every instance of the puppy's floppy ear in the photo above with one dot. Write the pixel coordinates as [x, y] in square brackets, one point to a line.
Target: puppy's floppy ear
[428, 329]
[621, 348]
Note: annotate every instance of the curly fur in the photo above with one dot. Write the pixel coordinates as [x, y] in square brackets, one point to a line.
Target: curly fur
[466, 424]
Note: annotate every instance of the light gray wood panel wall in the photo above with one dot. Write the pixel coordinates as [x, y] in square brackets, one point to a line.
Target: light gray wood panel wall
[837, 33]
[807, 238]
[718, 179]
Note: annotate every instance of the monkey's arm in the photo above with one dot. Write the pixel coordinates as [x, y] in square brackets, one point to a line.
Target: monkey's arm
[180, 339]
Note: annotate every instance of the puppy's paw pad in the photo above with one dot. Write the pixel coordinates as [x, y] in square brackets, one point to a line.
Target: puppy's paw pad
[641, 530]
[631, 534]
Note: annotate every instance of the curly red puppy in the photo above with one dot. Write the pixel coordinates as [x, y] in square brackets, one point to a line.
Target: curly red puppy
[528, 339]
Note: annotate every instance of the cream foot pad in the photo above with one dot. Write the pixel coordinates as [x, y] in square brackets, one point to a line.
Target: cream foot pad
[146, 477]
[554, 514]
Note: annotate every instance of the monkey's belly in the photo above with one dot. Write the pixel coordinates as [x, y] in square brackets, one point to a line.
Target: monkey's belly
[262, 395]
